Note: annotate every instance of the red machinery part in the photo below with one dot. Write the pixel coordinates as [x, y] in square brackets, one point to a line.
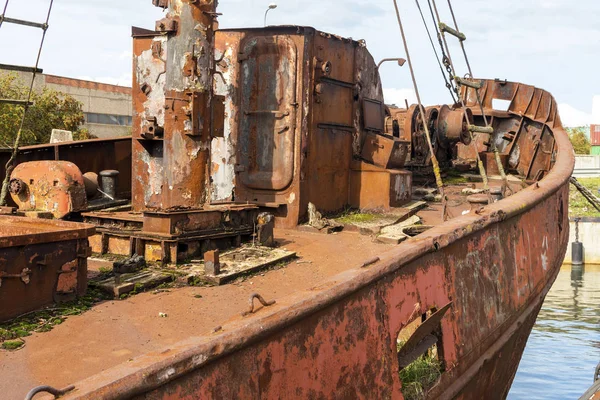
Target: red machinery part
[55, 187]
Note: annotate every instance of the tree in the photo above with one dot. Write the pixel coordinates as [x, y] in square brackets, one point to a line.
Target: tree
[579, 140]
[51, 110]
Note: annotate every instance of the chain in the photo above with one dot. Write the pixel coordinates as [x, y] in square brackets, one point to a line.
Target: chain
[449, 86]
[446, 60]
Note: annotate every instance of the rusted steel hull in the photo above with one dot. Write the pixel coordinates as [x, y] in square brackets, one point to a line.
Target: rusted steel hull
[338, 340]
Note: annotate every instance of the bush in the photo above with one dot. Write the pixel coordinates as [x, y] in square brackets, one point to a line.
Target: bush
[579, 139]
[51, 110]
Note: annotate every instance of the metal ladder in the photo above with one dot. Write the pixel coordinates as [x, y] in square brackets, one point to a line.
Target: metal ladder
[34, 70]
[589, 196]
[25, 103]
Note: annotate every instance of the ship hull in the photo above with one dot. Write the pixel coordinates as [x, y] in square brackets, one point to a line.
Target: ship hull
[339, 340]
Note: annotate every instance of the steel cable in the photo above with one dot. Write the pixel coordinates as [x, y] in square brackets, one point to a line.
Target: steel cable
[10, 165]
[434, 161]
[480, 102]
[449, 85]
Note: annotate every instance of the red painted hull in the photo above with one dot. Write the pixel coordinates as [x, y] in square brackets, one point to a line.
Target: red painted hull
[338, 340]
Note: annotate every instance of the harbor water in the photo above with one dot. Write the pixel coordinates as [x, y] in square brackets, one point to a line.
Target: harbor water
[564, 347]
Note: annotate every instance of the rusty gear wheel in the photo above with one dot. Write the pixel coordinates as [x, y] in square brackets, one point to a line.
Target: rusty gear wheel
[16, 186]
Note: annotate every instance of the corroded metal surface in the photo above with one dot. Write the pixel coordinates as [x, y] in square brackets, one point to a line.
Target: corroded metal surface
[293, 97]
[56, 187]
[41, 262]
[89, 155]
[172, 96]
[339, 339]
[523, 129]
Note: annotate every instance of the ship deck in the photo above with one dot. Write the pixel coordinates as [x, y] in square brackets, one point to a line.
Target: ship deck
[115, 332]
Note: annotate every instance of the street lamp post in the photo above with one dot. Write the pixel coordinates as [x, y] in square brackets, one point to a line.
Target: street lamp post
[272, 6]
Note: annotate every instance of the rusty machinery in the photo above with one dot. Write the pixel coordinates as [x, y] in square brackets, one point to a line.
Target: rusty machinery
[231, 123]
[58, 189]
[447, 126]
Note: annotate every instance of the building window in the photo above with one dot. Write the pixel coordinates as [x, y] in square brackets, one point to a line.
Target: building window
[107, 119]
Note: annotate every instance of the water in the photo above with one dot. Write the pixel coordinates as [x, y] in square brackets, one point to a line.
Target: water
[564, 347]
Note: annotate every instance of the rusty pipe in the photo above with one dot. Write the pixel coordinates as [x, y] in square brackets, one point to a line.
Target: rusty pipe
[401, 61]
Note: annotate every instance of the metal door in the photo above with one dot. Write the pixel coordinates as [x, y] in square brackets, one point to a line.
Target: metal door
[267, 112]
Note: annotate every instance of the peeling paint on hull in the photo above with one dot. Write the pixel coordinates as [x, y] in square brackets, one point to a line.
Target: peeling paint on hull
[339, 339]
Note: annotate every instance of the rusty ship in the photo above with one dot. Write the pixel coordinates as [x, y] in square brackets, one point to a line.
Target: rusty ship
[336, 240]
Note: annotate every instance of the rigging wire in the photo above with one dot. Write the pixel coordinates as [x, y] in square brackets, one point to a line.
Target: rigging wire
[445, 58]
[4, 12]
[437, 57]
[480, 102]
[10, 165]
[452, 71]
[434, 161]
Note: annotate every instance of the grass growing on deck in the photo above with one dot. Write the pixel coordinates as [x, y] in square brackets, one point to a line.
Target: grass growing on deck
[44, 320]
[453, 177]
[578, 205]
[421, 375]
[356, 217]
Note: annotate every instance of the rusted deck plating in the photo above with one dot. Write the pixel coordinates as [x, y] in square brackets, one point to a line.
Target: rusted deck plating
[340, 338]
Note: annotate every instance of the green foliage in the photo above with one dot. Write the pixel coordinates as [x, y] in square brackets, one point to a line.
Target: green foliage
[44, 320]
[578, 205]
[12, 345]
[51, 110]
[420, 376]
[579, 139]
[353, 216]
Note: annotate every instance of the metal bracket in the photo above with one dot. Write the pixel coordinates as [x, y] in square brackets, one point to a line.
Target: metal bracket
[24, 276]
[459, 35]
[48, 389]
[166, 25]
[262, 301]
[468, 83]
[151, 129]
[481, 129]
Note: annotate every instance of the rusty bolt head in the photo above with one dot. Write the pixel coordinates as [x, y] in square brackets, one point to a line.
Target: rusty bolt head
[326, 68]
[16, 186]
[146, 89]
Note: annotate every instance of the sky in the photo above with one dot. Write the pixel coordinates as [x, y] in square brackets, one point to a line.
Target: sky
[552, 44]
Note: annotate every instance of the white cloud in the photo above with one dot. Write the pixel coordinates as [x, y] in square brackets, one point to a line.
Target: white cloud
[572, 117]
[399, 96]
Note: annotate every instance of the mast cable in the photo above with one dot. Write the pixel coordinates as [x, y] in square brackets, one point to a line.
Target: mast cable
[445, 58]
[437, 57]
[480, 102]
[434, 161]
[452, 72]
[10, 165]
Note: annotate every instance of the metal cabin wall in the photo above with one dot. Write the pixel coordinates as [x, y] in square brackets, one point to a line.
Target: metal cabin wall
[328, 153]
[337, 122]
[149, 72]
[323, 118]
[173, 103]
[236, 174]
